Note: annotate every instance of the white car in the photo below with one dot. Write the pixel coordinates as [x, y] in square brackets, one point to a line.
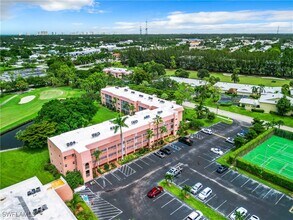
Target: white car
[254, 217]
[195, 215]
[217, 151]
[205, 193]
[207, 131]
[241, 210]
[196, 188]
[174, 171]
[230, 140]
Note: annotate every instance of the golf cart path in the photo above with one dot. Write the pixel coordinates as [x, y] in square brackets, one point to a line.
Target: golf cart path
[3, 103]
[232, 115]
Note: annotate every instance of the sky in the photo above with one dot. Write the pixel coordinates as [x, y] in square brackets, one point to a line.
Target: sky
[163, 16]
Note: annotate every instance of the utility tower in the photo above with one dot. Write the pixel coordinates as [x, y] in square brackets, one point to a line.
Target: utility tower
[146, 27]
[140, 30]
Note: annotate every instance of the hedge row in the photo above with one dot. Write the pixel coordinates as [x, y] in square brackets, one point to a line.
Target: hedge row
[284, 134]
[250, 145]
[264, 173]
[257, 110]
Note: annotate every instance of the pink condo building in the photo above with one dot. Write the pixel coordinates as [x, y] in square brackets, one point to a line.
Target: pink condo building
[74, 150]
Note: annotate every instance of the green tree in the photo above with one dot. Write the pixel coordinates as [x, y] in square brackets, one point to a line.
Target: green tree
[35, 135]
[202, 73]
[235, 75]
[211, 116]
[164, 96]
[119, 124]
[260, 89]
[139, 75]
[169, 178]
[239, 216]
[150, 134]
[74, 179]
[185, 191]
[21, 84]
[184, 92]
[182, 73]
[157, 121]
[213, 80]
[173, 62]
[163, 130]
[279, 123]
[291, 83]
[131, 109]
[285, 89]
[283, 106]
[182, 130]
[97, 154]
[238, 142]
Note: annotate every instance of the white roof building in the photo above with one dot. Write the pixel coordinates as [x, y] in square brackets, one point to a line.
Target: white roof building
[32, 200]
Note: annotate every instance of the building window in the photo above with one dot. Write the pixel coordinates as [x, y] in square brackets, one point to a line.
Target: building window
[73, 162]
[172, 120]
[87, 173]
[87, 166]
[65, 158]
[65, 165]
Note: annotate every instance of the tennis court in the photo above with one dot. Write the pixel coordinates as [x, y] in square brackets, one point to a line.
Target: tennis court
[275, 154]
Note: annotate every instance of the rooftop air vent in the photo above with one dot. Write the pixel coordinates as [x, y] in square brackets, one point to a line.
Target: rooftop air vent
[140, 95]
[146, 117]
[112, 128]
[162, 101]
[117, 87]
[125, 90]
[159, 112]
[151, 98]
[134, 122]
[70, 143]
[132, 92]
[95, 134]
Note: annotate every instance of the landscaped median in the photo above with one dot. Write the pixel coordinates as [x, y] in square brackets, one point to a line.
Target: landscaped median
[191, 201]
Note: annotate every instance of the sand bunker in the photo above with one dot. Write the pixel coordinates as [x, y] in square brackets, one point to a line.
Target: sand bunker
[27, 99]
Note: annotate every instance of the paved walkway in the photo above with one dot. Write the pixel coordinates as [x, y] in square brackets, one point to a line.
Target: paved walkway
[232, 115]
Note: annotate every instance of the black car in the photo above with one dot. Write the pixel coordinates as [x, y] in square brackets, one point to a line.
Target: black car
[222, 169]
[186, 140]
[166, 150]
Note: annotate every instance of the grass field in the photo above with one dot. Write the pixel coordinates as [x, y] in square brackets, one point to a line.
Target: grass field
[274, 154]
[103, 114]
[253, 80]
[18, 165]
[14, 114]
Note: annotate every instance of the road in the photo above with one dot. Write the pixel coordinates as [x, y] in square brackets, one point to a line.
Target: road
[232, 115]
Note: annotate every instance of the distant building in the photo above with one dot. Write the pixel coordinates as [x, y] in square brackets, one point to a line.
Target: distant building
[85, 51]
[32, 200]
[117, 72]
[74, 150]
[43, 33]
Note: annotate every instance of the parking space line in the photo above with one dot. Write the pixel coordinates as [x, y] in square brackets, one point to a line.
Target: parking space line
[208, 165]
[244, 183]
[235, 178]
[183, 182]
[107, 180]
[267, 193]
[232, 212]
[176, 210]
[98, 184]
[118, 178]
[279, 199]
[159, 197]
[153, 156]
[221, 204]
[185, 217]
[144, 161]
[137, 164]
[210, 199]
[226, 173]
[255, 188]
[150, 159]
[167, 203]
[205, 158]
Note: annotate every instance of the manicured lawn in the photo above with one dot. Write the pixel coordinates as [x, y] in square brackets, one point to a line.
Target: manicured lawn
[103, 114]
[18, 165]
[14, 114]
[254, 80]
[192, 202]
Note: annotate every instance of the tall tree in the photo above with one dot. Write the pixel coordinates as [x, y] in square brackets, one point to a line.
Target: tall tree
[157, 121]
[97, 154]
[283, 106]
[235, 75]
[163, 130]
[131, 109]
[150, 134]
[119, 124]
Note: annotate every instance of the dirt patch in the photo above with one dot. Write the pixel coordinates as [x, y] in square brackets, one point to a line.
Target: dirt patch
[27, 99]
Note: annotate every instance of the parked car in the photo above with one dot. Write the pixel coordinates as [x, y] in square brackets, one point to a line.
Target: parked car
[186, 140]
[166, 150]
[175, 171]
[217, 151]
[207, 131]
[230, 140]
[195, 188]
[195, 215]
[159, 154]
[241, 210]
[254, 217]
[222, 169]
[205, 193]
[155, 191]
[242, 133]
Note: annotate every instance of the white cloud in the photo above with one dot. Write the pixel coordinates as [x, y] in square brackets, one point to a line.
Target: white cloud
[214, 22]
[47, 5]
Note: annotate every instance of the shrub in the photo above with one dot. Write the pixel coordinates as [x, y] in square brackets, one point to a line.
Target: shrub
[211, 116]
[99, 171]
[284, 134]
[52, 169]
[196, 124]
[107, 167]
[113, 165]
[257, 110]
[226, 103]
[264, 174]
[74, 179]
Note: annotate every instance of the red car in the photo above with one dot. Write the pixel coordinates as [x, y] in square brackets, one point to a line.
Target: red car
[155, 191]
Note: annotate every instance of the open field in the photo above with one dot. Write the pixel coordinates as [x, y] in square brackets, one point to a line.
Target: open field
[274, 154]
[103, 114]
[13, 114]
[253, 80]
[18, 165]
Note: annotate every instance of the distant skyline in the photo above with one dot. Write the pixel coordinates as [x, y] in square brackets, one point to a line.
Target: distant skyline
[126, 17]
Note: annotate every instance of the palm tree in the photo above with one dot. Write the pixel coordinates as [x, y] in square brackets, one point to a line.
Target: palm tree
[185, 190]
[182, 129]
[169, 178]
[163, 130]
[72, 204]
[235, 75]
[150, 134]
[131, 109]
[97, 154]
[279, 123]
[119, 124]
[239, 216]
[254, 90]
[157, 121]
[261, 89]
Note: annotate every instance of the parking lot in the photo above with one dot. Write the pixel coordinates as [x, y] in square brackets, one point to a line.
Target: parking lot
[126, 188]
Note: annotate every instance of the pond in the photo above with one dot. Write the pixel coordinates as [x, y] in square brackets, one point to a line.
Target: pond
[9, 141]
